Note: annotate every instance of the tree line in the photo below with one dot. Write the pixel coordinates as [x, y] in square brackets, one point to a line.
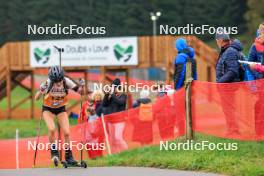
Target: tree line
[124, 17]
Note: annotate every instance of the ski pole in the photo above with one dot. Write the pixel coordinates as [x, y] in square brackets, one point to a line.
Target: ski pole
[38, 135]
[81, 82]
[60, 50]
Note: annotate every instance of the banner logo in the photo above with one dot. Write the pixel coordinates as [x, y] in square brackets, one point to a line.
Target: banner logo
[42, 56]
[123, 54]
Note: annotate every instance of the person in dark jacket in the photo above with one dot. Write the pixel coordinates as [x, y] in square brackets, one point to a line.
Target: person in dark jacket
[113, 102]
[184, 53]
[227, 67]
[255, 53]
[144, 98]
[227, 71]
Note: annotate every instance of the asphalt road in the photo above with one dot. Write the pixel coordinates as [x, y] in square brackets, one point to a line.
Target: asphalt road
[100, 171]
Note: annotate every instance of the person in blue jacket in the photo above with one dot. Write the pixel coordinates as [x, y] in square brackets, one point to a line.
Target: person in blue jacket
[255, 54]
[227, 67]
[227, 71]
[185, 53]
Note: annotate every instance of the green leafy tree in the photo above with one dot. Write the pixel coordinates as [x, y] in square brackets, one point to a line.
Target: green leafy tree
[121, 17]
[255, 14]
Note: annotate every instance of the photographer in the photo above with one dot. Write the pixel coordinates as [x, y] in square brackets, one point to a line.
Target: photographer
[115, 101]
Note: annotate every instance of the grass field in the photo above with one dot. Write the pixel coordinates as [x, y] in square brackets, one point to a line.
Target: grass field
[27, 128]
[17, 95]
[248, 160]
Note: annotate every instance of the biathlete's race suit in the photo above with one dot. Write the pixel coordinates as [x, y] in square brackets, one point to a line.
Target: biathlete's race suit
[54, 92]
[56, 98]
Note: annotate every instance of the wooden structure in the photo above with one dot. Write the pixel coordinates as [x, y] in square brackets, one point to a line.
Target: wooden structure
[158, 51]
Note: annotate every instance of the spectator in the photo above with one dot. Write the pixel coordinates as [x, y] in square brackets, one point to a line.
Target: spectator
[164, 112]
[256, 53]
[144, 99]
[113, 102]
[259, 44]
[94, 134]
[227, 71]
[185, 53]
[227, 67]
[91, 115]
[160, 89]
[143, 124]
[97, 102]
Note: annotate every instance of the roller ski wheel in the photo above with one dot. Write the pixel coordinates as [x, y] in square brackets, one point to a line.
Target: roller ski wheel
[66, 164]
[55, 160]
[83, 164]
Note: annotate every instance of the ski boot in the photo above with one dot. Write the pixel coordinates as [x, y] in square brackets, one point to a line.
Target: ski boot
[70, 162]
[69, 158]
[54, 155]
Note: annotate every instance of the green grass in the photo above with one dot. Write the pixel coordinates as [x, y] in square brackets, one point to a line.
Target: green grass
[248, 160]
[27, 128]
[16, 96]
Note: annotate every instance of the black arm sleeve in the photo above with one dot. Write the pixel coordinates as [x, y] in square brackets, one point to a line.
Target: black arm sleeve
[177, 73]
[121, 100]
[105, 100]
[75, 88]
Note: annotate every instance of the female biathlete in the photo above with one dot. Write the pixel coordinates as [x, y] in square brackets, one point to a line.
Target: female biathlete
[55, 91]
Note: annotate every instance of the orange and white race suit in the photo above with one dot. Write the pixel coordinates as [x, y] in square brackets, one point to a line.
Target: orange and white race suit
[55, 97]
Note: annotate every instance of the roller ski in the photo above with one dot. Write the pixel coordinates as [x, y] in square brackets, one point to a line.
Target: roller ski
[70, 162]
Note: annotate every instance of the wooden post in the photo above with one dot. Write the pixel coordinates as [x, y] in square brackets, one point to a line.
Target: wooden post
[167, 76]
[86, 84]
[8, 92]
[188, 102]
[32, 95]
[128, 94]
[102, 73]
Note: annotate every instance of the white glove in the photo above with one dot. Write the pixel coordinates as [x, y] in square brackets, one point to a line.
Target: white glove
[43, 87]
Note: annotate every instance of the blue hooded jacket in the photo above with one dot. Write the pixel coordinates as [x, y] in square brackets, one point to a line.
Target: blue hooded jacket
[184, 53]
[227, 67]
[256, 56]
